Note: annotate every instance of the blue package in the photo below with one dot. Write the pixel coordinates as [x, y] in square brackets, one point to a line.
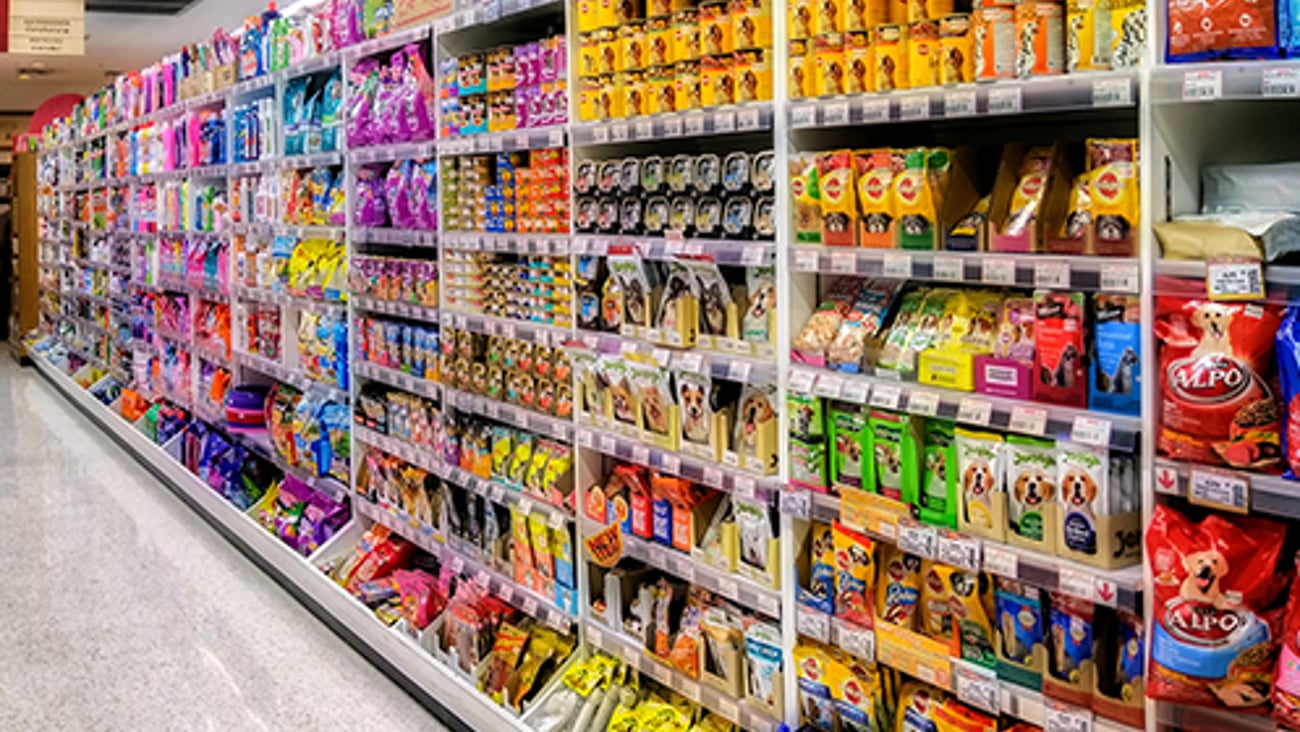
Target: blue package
[330, 108]
[1287, 346]
[1020, 620]
[663, 522]
[1115, 379]
[820, 592]
[1071, 623]
[1129, 658]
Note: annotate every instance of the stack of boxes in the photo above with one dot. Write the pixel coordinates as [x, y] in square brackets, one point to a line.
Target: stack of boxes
[506, 88]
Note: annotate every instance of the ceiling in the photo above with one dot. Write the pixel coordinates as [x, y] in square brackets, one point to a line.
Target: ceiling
[117, 42]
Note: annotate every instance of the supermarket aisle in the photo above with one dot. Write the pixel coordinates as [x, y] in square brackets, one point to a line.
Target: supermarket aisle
[121, 609]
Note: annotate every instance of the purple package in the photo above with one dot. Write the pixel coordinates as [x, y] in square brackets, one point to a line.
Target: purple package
[523, 113]
[560, 59]
[560, 104]
[320, 519]
[289, 505]
[546, 61]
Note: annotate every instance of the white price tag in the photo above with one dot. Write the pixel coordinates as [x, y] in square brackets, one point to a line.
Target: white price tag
[1089, 430]
[856, 391]
[689, 689]
[801, 382]
[999, 271]
[607, 445]
[875, 110]
[924, 403]
[1220, 489]
[835, 114]
[813, 624]
[844, 263]
[805, 260]
[1005, 100]
[594, 636]
[693, 124]
[645, 130]
[978, 687]
[633, 656]
[724, 121]
[1119, 278]
[600, 134]
[1228, 279]
[530, 606]
[959, 104]
[739, 371]
[743, 487]
[829, 386]
[797, 503]
[1281, 82]
[673, 126]
[1077, 583]
[640, 454]
[949, 269]
[803, 115]
[1112, 93]
[1063, 718]
[917, 538]
[1028, 420]
[713, 477]
[914, 107]
[1052, 274]
[752, 256]
[585, 439]
[856, 640]
[729, 588]
[959, 550]
[1202, 85]
[972, 410]
[618, 133]
[897, 265]
[728, 708]
[886, 396]
[1001, 561]
[748, 119]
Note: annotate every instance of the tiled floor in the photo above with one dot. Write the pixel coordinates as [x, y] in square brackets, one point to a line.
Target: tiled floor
[121, 609]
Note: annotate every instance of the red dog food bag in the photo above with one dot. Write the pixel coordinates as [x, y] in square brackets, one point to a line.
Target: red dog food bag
[1216, 588]
[1286, 685]
[1217, 400]
[1062, 373]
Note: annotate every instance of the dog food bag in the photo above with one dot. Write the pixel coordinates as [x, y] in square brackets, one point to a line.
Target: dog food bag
[890, 49]
[1078, 218]
[805, 187]
[1071, 636]
[1020, 619]
[1035, 170]
[1083, 481]
[971, 614]
[1232, 29]
[1288, 366]
[819, 594]
[956, 49]
[1059, 343]
[979, 467]
[1128, 33]
[838, 198]
[875, 171]
[1040, 39]
[855, 570]
[1216, 361]
[918, 707]
[807, 441]
[1217, 586]
[818, 333]
[936, 600]
[898, 588]
[1031, 483]
[851, 463]
[916, 198]
[1113, 188]
[1115, 383]
[756, 529]
[812, 664]
[995, 41]
[1286, 687]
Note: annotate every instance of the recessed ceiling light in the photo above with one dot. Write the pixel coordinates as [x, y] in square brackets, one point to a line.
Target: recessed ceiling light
[24, 77]
[38, 64]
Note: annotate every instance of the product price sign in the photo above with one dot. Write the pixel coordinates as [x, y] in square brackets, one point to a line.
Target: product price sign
[796, 503]
[999, 271]
[875, 111]
[857, 391]
[1005, 100]
[803, 115]
[1077, 583]
[835, 114]
[897, 265]
[1052, 274]
[673, 126]
[1234, 279]
[1119, 277]
[1028, 420]
[1200, 86]
[600, 134]
[949, 269]
[752, 256]
[739, 371]
[670, 464]
[914, 107]
[801, 382]
[645, 130]
[805, 261]
[974, 411]
[1220, 489]
[618, 133]
[844, 263]
[856, 640]
[924, 403]
[959, 104]
[886, 396]
[978, 687]
[1059, 717]
[959, 550]
[917, 538]
[640, 454]
[829, 386]
[743, 487]
[724, 121]
[1112, 93]
[694, 124]
[813, 624]
[713, 477]
[1089, 430]
[1001, 561]
[748, 119]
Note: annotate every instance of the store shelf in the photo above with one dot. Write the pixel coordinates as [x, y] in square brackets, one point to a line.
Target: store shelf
[462, 561]
[398, 379]
[1226, 81]
[398, 237]
[388, 42]
[525, 419]
[1115, 588]
[211, 354]
[321, 595]
[763, 488]
[482, 15]
[253, 167]
[261, 444]
[1229, 489]
[310, 160]
[747, 593]
[192, 234]
[732, 252]
[537, 138]
[395, 307]
[1274, 274]
[1066, 93]
[336, 233]
[1107, 274]
[886, 390]
[731, 120]
[397, 151]
[544, 335]
[510, 243]
[729, 367]
[298, 380]
[489, 489]
[285, 299]
[620, 645]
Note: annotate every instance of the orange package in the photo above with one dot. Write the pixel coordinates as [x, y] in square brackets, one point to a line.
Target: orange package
[1040, 26]
[995, 42]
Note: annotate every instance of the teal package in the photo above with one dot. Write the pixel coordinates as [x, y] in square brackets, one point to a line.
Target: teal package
[1115, 379]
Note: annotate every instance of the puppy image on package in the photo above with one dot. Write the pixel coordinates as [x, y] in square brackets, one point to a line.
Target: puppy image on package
[979, 456]
[1031, 481]
[1083, 475]
[693, 398]
[756, 413]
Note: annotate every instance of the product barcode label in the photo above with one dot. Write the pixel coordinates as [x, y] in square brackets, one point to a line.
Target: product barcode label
[978, 687]
[1220, 489]
[959, 550]
[724, 122]
[813, 624]
[917, 538]
[618, 133]
[959, 104]
[1281, 82]
[803, 115]
[999, 271]
[829, 386]
[673, 127]
[844, 263]
[857, 391]
[1119, 278]
[897, 265]
[886, 396]
[1028, 420]
[1052, 274]
[1000, 560]
[1090, 430]
[1063, 718]
[974, 411]
[1005, 100]
[670, 464]
[1202, 85]
[801, 382]
[949, 269]
[805, 261]
[1234, 280]
[835, 114]
[924, 403]
[1077, 583]
[914, 107]
[797, 503]
[875, 110]
[694, 124]
[748, 119]
[600, 134]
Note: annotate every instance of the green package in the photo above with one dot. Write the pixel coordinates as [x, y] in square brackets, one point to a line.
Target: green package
[851, 457]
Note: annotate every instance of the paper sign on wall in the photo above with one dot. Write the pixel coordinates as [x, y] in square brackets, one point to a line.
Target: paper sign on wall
[46, 27]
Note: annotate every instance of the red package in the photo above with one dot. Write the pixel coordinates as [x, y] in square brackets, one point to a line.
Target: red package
[1206, 29]
[1216, 584]
[1218, 405]
[1286, 687]
[1059, 349]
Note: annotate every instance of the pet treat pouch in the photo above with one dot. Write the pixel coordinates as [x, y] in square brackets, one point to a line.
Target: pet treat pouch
[851, 456]
[979, 466]
[1115, 383]
[1031, 485]
[808, 458]
[805, 188]
[838, 200]
[936, 501]
[1083, 479]
[1059, 343]
[898, 587]
[855, 571]
[895, 447]
[875, 170]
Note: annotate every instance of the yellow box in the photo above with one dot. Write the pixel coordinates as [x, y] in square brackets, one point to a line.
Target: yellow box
[687, 85]
[661, 92]
[717, 87]
[863, 15]
[588, 15]
[828, 50]
[828, 16]
[923, 54]
[715, 29]
[752, 72]
[588, 55]
[634, 94]
[606, 13]
[799, 19]
[686, 35]
[632, 43]
[610, 97]
[751, 23]
[657, 8]
[890, 50]
[957, 49]
[800, 68]
[659, 42]
[859, 63]
[1084, 49]
[611, 51]
[627, 11]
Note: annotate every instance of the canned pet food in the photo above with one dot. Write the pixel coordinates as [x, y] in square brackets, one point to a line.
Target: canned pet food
[608, 178]
[738, 218]
[708, 173]
[765, 218]
[656, 215]
[735, 172]
[763, 174]
[607, 215]
[584, 177]
[629, 218]
[629, 175]
[708, 217]
[681, 173]
[586, 214]
[652, 174]
[681, 215]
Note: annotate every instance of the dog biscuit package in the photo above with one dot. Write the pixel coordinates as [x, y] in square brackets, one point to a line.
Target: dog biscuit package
[851, 462]
[1071, 637]
[895, 445]
[1113, 189]
[1031, 485]
[898, 587]
[1083, 479]
[1059, 342]
[979, 466]
[1215, 631]
[967, 595]
[855, 570]
[1039, 34]
[890, 49]
[994, 28]
[1087, 46]
[807, 441]
[838, 198]
[1128, 33]
[1115, 383]
[820, 591]
[1020, 620]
